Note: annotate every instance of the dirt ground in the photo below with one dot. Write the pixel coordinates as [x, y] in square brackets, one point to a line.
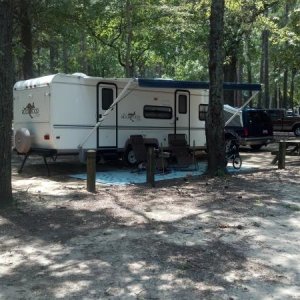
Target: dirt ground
[235, 237]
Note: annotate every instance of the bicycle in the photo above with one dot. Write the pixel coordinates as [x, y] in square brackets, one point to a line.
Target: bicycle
[232, 153]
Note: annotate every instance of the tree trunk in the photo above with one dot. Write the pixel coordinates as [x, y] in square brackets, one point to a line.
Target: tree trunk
[230, 75]
[238, 101]
[275, 96]
[26, 39]
[6, 85]
[53, 56]
[261, 71]
[248, 67]
[294, 72]
[83, 57]
[280, 98]
[285, 89]
[285, 74]
[125, 53]
[129, 35]
[214, 125]
[38, 51]
[265, 49]
[65, 57]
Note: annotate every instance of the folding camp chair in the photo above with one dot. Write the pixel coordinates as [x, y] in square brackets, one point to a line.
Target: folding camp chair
[180, 150]
[139, 148]
[140, 152]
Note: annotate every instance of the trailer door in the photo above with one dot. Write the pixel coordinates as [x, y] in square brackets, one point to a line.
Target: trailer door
[107, 132]
[182, 113]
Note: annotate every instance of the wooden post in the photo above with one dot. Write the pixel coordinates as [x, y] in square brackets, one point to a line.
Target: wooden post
[162, 158]
[150, 166]
[194, 158]
[91, 171]
[281, 155]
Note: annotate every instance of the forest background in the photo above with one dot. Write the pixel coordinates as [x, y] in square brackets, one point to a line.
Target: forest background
[150, 38]
[162, 39]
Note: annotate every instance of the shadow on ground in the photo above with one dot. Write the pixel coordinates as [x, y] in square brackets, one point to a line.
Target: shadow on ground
[222, 238]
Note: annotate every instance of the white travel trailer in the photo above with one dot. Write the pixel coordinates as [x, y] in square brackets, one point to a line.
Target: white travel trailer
[68, 114]
[57, 114]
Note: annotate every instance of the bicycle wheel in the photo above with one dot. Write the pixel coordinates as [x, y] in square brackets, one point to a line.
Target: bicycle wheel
[237, 162]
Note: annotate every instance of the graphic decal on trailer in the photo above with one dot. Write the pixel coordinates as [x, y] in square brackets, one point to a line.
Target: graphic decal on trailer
[31, 110]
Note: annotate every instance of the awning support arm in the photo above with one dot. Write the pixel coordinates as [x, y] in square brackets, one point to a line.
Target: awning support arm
[241, 108]
[107, 112]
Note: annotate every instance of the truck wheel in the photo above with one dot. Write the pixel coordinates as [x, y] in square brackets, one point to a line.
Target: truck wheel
[256, 147]
[22, 140]
[129, 157]
[297, 131]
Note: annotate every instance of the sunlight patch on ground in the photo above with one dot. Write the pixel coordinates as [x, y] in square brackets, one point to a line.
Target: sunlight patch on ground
[47, 187]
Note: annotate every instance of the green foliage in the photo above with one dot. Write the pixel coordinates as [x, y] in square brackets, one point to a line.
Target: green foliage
[160, 38]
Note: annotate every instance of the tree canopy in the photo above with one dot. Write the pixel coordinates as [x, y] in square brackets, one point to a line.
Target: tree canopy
[159, 38]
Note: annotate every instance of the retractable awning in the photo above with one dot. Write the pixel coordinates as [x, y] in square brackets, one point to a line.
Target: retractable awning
[178, 84]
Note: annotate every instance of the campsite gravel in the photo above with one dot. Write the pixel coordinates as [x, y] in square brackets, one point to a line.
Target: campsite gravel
[233, 237]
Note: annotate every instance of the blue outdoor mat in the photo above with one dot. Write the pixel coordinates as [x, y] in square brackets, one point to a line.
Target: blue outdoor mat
[123, 177]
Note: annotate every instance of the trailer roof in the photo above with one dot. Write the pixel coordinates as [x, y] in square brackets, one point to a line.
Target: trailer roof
[162, 83]
[34, 82]
[142, 82]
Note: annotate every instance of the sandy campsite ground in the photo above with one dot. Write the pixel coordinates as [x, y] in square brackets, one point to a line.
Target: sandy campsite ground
[235, 237]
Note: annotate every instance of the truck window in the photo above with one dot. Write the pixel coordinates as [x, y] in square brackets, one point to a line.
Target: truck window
[107, 98]
[158, 112]
[275, 113]
[254, 117]
[258, 117]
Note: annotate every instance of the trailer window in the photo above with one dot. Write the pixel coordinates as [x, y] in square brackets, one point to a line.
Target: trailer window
[107, 98]
[203, 108]
[275, 113]
[157, 112]
[182, 104]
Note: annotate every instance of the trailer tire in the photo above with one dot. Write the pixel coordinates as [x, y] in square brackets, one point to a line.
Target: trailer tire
[22, 140]
[129, 156]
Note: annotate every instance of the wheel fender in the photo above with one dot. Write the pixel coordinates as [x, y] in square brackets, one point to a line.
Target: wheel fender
[127, 144]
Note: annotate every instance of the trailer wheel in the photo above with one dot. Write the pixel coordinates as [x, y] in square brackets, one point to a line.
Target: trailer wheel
[129, 156]
[22, 140]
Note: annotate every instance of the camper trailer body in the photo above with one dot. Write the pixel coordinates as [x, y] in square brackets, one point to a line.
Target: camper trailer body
[61, 110]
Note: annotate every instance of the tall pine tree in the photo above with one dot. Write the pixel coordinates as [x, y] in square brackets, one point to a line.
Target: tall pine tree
[6, 84]
[214, 124]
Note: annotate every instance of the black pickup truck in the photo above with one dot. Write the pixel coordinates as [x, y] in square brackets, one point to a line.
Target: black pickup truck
[282, 122]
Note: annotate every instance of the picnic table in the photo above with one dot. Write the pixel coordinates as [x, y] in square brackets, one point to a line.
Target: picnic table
[289, 147]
